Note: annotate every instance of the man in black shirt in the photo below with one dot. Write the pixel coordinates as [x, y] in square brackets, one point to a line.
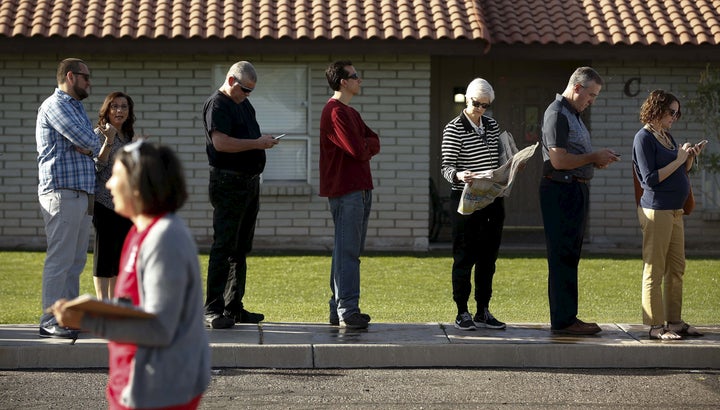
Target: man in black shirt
[236, 153]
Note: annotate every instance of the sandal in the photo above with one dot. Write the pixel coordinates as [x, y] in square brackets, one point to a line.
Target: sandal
[661, 333]
[684, 329]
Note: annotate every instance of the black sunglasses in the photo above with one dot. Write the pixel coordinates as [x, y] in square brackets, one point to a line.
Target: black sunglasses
[246, 90]
[83, 75]
[353, 76]
[478, 104]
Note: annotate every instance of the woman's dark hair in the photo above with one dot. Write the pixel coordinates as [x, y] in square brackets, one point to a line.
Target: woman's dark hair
[336, 72]
[657, 105]
[155, 173]
[104, 114]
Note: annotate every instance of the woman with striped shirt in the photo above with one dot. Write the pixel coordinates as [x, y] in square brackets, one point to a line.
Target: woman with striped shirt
[471, 143]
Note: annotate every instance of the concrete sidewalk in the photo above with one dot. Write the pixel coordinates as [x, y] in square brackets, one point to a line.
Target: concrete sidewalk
[312, 345]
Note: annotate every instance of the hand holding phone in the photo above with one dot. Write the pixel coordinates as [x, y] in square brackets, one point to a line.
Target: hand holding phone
[279, 136]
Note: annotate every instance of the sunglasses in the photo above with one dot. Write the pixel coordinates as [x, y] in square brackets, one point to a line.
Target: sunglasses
[478, 104]
[83, 75]
[354, 76]
[244, 89]
[674, 113]
[134, 150]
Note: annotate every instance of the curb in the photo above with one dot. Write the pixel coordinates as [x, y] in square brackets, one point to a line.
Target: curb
[392, 345]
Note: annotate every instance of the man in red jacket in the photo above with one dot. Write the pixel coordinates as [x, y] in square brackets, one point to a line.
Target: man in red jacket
[346, 146]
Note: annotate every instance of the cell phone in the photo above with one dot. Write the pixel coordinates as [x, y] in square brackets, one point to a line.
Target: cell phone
[280, 136]
[701, 143]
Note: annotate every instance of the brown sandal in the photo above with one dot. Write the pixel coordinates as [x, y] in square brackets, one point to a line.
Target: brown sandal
[662, 333]
[684, 329]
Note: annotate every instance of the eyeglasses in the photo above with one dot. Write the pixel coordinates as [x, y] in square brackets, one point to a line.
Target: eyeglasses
[116, 107]
[478, 104]
[244, 89]
[83, 75]
[674, 113]
[134, 149]
[354, 76]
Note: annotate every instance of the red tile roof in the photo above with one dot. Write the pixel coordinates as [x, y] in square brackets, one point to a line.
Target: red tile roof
[612, 22]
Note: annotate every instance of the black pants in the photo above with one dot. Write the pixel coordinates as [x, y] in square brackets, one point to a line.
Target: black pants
[564, 210]
[476, 242]
[110, 232]
[235, 199]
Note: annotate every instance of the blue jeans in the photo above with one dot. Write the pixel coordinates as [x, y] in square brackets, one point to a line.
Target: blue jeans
[67, 228]
[236, 202]
[350, 214]
[564, 210]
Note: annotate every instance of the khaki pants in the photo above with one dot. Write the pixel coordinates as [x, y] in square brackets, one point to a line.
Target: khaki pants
[663, 254]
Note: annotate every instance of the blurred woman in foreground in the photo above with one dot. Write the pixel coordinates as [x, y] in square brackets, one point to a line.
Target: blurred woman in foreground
[163, 361]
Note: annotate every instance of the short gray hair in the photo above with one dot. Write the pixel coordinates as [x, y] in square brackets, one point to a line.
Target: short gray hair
[242, 70]
[479, 88]
[583, 76]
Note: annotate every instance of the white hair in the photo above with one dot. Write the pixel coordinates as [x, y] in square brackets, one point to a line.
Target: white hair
[479, 89]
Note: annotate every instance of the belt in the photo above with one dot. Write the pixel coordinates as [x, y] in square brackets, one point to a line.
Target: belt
[233, 172]
[574, 178]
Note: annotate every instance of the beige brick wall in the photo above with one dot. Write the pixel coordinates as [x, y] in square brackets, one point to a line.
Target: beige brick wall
[169, 92]
[614, 124]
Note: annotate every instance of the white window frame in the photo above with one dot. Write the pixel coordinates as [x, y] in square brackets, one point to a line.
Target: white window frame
[268, 75]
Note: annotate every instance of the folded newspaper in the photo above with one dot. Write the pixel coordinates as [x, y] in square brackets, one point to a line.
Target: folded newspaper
[488, 185]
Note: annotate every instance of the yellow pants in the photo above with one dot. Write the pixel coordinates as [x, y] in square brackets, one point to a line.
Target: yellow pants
[663, 255]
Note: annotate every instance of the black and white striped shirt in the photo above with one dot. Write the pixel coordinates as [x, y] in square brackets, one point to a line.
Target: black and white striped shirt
[465, 147]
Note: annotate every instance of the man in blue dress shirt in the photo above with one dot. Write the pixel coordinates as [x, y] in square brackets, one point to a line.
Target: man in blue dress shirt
[66, 146]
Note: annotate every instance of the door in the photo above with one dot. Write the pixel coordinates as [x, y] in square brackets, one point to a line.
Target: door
[523, 90]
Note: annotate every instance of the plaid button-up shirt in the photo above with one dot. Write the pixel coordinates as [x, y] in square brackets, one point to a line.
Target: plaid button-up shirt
[62, 124]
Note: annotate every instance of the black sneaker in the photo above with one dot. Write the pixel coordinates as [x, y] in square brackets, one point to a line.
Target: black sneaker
[464, 321]
[219, 321]
[55, 330]
[249, 317]
[355, 321]
[334, 321]
[487, 320]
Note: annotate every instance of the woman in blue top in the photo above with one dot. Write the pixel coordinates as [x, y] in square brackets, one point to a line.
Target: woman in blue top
[662, 166]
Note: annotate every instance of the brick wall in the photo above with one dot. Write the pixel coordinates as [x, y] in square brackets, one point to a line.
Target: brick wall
[169, 92]
[615, 120]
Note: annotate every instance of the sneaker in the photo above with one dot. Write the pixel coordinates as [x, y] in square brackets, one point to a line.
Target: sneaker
[487, 320]
[334, 321]
[55, 330]
[219, 321]
[249, 317]
[464, 321]
[355, 321]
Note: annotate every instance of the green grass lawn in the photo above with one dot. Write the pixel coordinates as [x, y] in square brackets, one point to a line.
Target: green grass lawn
[406, 288]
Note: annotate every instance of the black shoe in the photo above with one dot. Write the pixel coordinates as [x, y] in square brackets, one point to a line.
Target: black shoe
[334, 321]
[355, 321]
[54, 330]
[249, 317]
[219, 321]
[485, 319]
[464, 321]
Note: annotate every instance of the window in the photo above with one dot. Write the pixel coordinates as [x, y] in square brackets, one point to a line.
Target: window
[281, 104]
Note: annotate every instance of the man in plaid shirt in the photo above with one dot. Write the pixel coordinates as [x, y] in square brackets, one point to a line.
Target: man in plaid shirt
[66, 146]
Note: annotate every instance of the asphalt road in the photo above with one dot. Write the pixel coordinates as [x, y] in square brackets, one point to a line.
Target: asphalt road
[393, 389]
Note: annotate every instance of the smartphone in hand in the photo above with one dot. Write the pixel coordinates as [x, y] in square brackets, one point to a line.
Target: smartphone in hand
[279, 136]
